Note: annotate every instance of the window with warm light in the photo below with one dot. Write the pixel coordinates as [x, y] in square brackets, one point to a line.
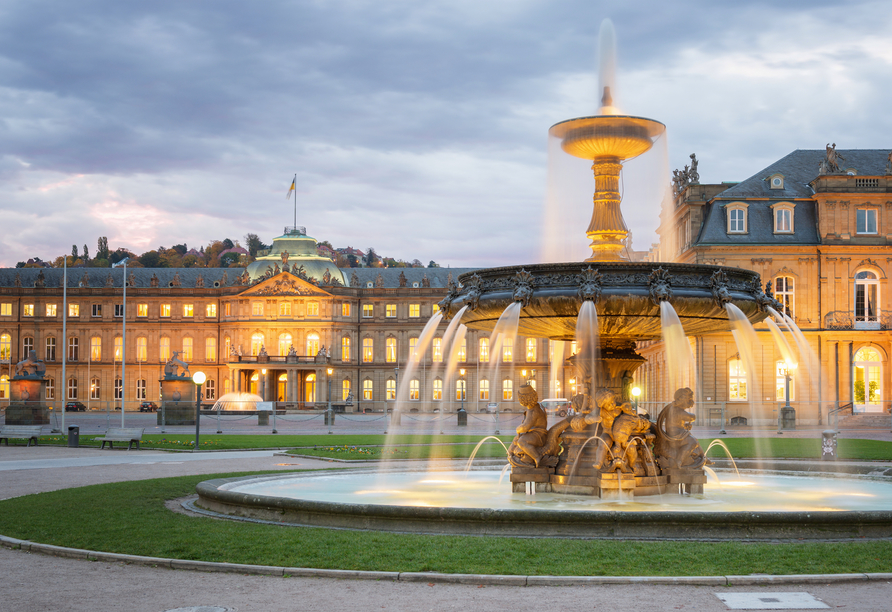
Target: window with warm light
[5, 347]
[390, 350]
[438, 390]
[4, 386]
[484, 350]
[367, 388]
[437, 350]
[484, 389]
[390, 389]
[345, 309]
[571, 385]
[507, 390]
[368, 311]
[210, 350]
[74, 310]
[460, 389]
[368, 346]
[345, 348]
[6, 309]
[94, 389]
[414, 311]
[256, 344]
[531, 350]
[462, 354]
[187, 350]
[310, 388]
[414, 390]
[312, 309]
[737, 391]
[188, 311]
[227, 348]
[284, 309]
[142, 310]
[345, 389]
[413, 354]
[285, 342]
[312, 344]
[867, 300]
[435, 308]
[507, 350]
[256, 309]
[28, 310]
[390, 311]
[95, 348]
[51, 310]
[227, 310]
[210, 310]
[164, 350]
[780, 381]
[164, 311]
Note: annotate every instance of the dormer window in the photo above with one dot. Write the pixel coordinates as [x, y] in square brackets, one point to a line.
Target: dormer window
[776, 181]
[783, 217]
[737, 222]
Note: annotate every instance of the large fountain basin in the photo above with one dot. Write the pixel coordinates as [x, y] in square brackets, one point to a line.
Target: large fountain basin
[625, 305]
[475, 503]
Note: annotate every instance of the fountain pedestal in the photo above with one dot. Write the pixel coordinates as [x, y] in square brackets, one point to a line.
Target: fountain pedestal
[539, 476]
[177, 401]
[686, 480]
[26, 406]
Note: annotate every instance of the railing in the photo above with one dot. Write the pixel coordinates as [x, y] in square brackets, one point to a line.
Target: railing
[275, 359]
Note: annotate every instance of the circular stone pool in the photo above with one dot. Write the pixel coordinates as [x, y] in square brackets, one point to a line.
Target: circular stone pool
[751, 506]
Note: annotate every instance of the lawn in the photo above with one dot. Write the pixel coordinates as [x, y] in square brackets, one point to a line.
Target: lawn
[130, 517]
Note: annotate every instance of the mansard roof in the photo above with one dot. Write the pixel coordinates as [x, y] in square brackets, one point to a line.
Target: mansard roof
[142, 277]
[438, 277]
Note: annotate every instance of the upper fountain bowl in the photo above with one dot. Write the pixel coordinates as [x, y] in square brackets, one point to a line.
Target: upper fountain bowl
[600, 136]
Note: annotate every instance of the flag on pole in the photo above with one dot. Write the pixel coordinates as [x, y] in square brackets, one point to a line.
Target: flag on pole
[292, 188]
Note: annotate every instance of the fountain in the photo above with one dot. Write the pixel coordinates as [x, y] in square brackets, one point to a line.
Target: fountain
[591, 473]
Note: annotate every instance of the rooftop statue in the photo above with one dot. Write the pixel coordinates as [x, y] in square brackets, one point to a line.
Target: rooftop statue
[830, 163]
[32, 367]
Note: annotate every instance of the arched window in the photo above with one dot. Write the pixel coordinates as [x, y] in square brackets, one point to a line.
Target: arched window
[438, 389]
[227, 386]
[867, 385]
[484, 350]
[736, 213]
[4, 386]
[142, 349]
[50, 349]
[507, 390]
[867, 300]
[345, 389]
[391, 389]
[141, 388]
[413, 345]
[5, 347]
[437, 350]
[285, 341]
[367, 388]
[310, 387]
[210, 350]
[210, 389]
[345, 348]
[783, 292]
[119, 347]
[462, 353]
[368, 350]
[736, 381]
[414, 390]
[783, 217]
[256, 344]
[72, 389]
[95, 348]
[484, 390]
[50, 389]
[312, 344]
[390, 350]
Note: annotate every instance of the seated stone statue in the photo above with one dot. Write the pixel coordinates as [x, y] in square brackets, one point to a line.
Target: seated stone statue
[30, 367]
[535, 445]
[174, 365]
[621, 424]
[675, 447]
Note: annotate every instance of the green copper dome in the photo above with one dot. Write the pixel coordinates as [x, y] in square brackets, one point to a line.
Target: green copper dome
[301, 251]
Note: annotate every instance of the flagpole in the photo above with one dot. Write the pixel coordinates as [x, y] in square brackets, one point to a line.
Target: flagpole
[295, 201]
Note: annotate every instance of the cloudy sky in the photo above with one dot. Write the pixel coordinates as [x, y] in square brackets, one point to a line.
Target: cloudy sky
[415, 127]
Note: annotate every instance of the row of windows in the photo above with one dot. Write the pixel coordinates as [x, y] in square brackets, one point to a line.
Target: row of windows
[74, 310]
[95, 391]
[95, 349]
[461, 388]
[865, 218]
[368, 310]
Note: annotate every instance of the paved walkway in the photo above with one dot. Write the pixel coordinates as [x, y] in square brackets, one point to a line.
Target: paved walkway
[36, 582]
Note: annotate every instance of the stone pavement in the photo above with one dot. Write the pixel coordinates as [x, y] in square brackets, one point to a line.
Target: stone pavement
[37, 582]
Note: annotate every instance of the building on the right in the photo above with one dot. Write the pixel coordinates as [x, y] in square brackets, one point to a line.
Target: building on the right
[817, 226]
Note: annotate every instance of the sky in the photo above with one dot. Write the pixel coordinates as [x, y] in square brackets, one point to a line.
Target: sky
[419, 128]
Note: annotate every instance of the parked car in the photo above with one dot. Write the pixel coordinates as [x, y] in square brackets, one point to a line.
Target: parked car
[558, 406]
[148, 407]
[75, 407]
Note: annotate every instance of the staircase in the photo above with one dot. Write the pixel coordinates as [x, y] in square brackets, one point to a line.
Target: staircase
[859, 421]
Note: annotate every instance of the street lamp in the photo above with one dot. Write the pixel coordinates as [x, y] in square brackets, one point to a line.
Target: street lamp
[636, 391]
[123, 263]
[198, 378]
[330, 416]
[462, 372]
[787, 414]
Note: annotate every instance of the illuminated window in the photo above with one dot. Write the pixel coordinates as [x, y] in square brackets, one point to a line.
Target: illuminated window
[390, 389]
[142, 310]
[187, 350]
[312, 309]
[462, 352]
[51, 310]
[284, 309]
[345, 389]
[573, 348]
[310, 387]
[867, 385]
[367, 350]
[312, 344]
[74, 310]
[210, 350]
[437, 350]
[257, 309]
[783, 292]
[368, 311]
[414, 390]
[507, 350]
[72, 388]
[210, 310]
[531, 350]
[50, 354]
[119, 347]
[227, 347]
[50, 389]
[164, 350]
[438, 390]
[414, 310]
[413, 344]
[367, 389]
[28, 310]
[507, 389]
[210, 389]
[4, 386]
[188, 310]
[571, 385]
[345, 309]
[256, 344]
[736, 381]
[390, 311]
[94, 389]
[780, 382]
[5, 347]
[484, 349]
[460, 389]
[165, 311]
[484, 389]
[6, 309]
[390, 350]
[345, 348]
[74, 346]
[435, 308]
[141, 389]
[95, 348]
[142, 349]
[285, 342]
[227, 311]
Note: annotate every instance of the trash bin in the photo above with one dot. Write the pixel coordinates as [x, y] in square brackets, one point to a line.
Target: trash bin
[462, 418]
[828, 447]
[329, 417]
[74, 436]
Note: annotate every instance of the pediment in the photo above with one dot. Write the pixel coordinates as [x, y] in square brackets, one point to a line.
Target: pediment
[285, 283]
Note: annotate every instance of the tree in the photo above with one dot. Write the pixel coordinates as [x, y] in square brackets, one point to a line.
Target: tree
[86, 255]
[102, 248]
[227, 244]
[352, 261]
[229, 260]
[119, 254]
[180, 248]
[74, 251]
[433, 264]
[150, 259]
[371, 258]
[254, 244]
[416, 263]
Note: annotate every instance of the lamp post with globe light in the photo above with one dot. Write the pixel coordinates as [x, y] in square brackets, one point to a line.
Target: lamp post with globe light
[786, 416]
[198, 378]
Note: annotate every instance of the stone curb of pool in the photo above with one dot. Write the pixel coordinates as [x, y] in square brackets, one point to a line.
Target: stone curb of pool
[433, 577]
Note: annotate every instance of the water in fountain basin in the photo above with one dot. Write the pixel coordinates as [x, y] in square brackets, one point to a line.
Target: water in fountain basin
[677, 349]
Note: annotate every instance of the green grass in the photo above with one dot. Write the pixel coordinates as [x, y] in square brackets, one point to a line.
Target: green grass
[436, 451]
[130, 517]
[800, 448]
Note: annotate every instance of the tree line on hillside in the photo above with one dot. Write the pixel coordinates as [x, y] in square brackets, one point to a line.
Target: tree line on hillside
[217, 254]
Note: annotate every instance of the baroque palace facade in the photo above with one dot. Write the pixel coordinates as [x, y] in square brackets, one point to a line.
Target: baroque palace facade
[817, 225]
[289, 328]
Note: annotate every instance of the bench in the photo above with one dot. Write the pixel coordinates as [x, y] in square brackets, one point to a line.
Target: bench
[122, 434]
[20, 432]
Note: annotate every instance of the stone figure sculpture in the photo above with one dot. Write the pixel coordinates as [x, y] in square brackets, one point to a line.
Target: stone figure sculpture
[174, 365]
[675, 447]
[85, 280]
[889, 165]
[832, 158]
[535, 445]
[403, 279]
[32, 367]
[41, 281]
[619, 424]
